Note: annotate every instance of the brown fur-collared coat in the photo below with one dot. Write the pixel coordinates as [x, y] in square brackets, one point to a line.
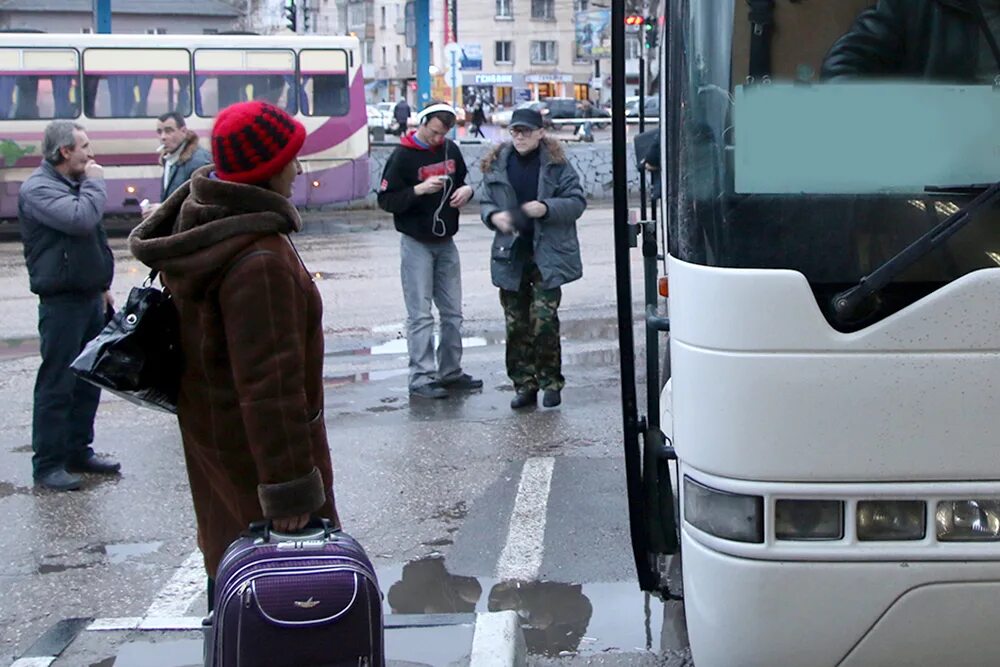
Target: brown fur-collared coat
[251, 401]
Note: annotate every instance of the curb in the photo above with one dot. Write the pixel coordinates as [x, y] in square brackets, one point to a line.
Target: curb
[498, 641]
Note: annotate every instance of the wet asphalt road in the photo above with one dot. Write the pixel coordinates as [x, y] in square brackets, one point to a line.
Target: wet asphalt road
[430, 488]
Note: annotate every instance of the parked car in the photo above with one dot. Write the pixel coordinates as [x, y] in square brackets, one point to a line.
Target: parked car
[652, 107]
[502, 118]
[377, 118]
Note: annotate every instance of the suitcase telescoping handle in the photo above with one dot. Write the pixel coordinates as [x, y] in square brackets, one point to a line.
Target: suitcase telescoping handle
[316, 529]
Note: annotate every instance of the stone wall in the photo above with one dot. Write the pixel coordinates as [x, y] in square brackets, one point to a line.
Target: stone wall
[592, 163]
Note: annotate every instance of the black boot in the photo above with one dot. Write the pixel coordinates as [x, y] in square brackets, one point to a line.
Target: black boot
[523, 398]
[551, 398]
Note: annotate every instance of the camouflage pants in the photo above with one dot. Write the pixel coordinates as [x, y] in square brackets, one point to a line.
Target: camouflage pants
[534, 353]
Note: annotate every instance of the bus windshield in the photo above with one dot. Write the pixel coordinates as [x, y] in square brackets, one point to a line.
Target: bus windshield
[814, 138]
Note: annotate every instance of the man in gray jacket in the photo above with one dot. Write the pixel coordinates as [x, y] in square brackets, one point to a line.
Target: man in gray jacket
[70, 267]
[531, 198]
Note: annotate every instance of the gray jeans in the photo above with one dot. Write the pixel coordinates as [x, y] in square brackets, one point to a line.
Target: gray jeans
[432, 271]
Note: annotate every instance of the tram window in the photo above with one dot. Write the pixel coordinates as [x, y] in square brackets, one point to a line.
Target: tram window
[324, 82]
[136, 83]
[39, 84]
[227, 76]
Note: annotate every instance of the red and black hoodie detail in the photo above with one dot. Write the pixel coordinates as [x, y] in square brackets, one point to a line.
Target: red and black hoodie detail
[409, 165]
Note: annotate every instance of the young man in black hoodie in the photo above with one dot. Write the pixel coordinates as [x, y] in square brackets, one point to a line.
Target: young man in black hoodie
[423, 186]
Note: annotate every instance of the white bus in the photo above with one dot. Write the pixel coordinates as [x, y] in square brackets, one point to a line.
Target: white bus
[117, 85]
[834, 349]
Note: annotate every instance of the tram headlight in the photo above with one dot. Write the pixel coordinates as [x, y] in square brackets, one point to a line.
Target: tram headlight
[968, 520]
[883, 520]
[809, 519]
[731, 516]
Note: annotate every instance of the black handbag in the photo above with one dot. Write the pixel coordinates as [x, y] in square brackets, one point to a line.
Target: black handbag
[138, 354]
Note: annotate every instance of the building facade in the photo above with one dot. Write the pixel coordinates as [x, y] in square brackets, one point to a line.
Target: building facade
[127, 16]
[512, 50]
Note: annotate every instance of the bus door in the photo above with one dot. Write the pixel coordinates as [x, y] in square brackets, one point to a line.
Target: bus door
[647, 450]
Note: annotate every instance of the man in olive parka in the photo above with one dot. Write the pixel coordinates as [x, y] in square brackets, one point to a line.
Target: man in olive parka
[531, 197]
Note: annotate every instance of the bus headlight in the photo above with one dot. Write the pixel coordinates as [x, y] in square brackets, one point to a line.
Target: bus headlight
[809, 520]
[731, 516]
[968, 520]
[880, 520]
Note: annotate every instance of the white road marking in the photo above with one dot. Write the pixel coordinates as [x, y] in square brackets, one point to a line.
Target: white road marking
[34, 662]
[521, 558]
[188, 582]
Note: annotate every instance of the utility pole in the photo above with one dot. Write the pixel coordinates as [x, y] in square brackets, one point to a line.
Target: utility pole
[423, 20]
[102, 16]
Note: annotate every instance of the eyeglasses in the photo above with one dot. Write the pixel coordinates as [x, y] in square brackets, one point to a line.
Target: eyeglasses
[521, 132]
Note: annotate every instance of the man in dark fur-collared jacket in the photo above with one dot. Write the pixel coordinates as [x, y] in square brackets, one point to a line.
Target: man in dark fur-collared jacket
[532, 199]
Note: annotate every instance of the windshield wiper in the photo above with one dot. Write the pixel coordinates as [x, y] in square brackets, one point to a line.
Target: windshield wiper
[847, 303]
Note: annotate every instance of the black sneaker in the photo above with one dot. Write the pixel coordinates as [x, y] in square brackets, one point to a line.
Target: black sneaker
[524, 398]
[551, 398]
[429, 391]
[462, 382]
[96, 464]
[59, 480]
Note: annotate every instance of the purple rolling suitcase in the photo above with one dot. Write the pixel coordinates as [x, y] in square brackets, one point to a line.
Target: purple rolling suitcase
[305, 600]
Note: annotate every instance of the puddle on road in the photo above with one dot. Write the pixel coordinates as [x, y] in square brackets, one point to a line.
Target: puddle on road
[15, 348]
[185, 653]
[119, 553]
[48, 568]
[557, 618]
[7, 489]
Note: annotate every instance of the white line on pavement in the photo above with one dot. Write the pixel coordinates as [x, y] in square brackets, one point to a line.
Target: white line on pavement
[521, 558]
[34, 662]
[188, 582]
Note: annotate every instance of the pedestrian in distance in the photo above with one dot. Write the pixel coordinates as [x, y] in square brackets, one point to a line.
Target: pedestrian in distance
[70, 268]
[531, 197]
[423, 186]
[250, 408]
[478, 120]
[401, 115]
[180, 155]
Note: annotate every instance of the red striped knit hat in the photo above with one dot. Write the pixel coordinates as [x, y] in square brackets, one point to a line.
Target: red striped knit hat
[253, 141]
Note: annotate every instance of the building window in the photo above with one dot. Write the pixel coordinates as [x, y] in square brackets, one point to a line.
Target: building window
[399, 53]
[581, 5]
[369, 52]
[210, 31]
[504, 10]
[633, 47]
[156, 31]
[504, 53]
[543, 53]
[87, 31]
[543, 9]
[384, 60]
[383, 18]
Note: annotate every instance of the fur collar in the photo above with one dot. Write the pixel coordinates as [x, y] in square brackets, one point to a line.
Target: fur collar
[552, 153]
[190, 146]
[205, 212]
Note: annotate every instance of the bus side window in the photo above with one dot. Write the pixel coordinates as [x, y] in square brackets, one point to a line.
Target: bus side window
[136, 83]
[47, 88]
[324, 84]
[224, 77]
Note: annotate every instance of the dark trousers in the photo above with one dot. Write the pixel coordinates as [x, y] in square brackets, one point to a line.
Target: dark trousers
[63, 421]
[534, 350]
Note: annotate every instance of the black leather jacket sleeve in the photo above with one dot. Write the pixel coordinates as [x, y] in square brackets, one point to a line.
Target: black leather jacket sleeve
[874, 46]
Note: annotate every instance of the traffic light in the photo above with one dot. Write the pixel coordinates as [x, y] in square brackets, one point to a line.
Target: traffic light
[634, 21]
[650, 26]
[291, 15]
[305, 19]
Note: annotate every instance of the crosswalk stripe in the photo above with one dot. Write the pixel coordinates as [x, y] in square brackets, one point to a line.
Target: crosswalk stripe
[521, 558]
[178, 594]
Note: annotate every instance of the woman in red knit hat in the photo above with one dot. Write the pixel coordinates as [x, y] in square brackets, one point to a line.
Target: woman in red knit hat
[251, 401]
